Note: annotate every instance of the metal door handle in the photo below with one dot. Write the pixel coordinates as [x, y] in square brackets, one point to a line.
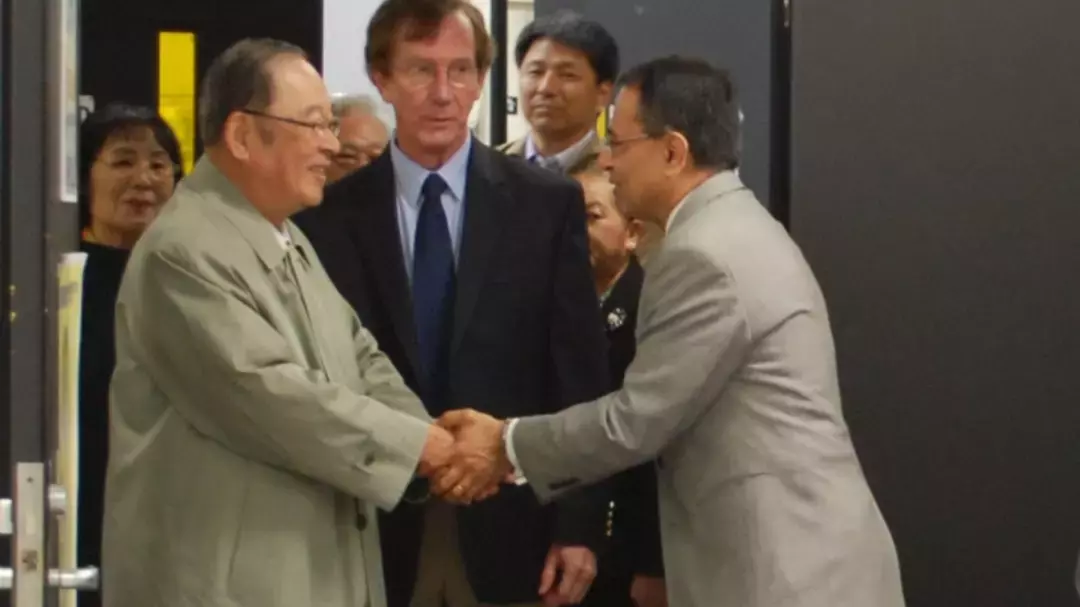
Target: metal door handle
[57, 505]
[84, 578]
[77, 579]
[6, 512]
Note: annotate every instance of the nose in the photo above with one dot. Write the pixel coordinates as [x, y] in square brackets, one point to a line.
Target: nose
[329, 144]
[603, 159]
[144, 177]
[547, 83]
[440, 90]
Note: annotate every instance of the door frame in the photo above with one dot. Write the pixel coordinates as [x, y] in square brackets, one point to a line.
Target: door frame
[35, 228]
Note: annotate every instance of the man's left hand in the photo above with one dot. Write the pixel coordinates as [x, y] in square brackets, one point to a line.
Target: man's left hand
[578, 567]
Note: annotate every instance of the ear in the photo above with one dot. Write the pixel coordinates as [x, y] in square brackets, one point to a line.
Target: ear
[381, 82]
[678, 153]
[635, 231]
[237, 135]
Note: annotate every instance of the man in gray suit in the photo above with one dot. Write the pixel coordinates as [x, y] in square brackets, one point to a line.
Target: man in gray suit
[762, 499]
[254, 422]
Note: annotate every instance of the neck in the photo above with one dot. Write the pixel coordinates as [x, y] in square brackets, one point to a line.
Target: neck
[606, 280]
[253, 190]
[681, 187]
[102, 234]
[431, 159]
[551, 144]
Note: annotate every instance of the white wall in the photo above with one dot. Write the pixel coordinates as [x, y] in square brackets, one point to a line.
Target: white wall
[519, 14]
[345, 33]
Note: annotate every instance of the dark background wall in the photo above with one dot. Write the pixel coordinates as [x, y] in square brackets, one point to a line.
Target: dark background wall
[735, 35]
[119, 38]
[936, 192]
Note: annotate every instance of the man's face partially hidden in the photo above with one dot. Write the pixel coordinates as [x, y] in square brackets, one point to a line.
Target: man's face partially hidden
[363, 138]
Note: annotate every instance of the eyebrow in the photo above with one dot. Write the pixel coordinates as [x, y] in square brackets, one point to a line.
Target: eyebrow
[129, 150]
[558, 63]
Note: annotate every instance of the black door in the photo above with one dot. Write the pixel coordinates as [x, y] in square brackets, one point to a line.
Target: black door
[120, 38]
[936, 191]
[38, 119]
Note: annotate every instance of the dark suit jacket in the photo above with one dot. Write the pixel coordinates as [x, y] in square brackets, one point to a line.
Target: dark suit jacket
[634, 544]
[527, 339]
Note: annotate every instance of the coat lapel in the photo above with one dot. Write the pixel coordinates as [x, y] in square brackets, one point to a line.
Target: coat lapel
[379, 236]
[484, 198]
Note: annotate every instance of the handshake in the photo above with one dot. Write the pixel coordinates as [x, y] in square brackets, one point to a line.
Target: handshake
[464, 457]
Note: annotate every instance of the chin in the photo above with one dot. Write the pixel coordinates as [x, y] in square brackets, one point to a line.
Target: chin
[443, 137]
[312, 197]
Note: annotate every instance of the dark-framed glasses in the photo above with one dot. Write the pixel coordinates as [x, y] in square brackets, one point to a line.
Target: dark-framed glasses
[333, 127]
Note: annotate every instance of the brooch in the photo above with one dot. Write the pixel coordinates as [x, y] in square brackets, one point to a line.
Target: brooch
[616, 318]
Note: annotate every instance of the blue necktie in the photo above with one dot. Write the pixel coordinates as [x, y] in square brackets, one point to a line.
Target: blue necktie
[433, 294]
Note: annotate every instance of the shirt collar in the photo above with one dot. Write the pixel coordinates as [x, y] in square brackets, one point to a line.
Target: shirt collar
[566, 158]
[410, 176]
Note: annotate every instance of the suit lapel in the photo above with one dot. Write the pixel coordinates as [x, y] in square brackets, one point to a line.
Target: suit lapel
[379, 235]
[484, 199]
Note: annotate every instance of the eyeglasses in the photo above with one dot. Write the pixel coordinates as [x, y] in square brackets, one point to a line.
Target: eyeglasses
[420, 75]
[333, 127]
[614, 144]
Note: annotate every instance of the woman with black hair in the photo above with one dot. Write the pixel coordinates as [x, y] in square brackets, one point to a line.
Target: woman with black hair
[129, 163]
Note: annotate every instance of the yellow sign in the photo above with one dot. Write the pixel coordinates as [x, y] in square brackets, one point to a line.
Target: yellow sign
[176, 89]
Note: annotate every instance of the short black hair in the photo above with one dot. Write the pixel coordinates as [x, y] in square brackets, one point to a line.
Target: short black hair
[691, 97]
[115, 118]
[571, 29]
[237, 80]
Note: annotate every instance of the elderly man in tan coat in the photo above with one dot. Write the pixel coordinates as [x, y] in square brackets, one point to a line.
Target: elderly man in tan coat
[255, 425]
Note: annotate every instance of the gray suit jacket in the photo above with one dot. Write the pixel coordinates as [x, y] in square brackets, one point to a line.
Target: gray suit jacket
[762, 499]
[248, 438]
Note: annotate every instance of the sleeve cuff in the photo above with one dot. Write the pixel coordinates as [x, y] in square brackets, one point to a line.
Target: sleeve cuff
[519, 476]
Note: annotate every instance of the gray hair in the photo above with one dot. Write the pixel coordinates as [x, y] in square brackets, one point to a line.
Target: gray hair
[238, 80]
[343, 104]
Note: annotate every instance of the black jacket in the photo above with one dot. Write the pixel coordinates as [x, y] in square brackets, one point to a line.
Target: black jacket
[634, 543]
[527, 339]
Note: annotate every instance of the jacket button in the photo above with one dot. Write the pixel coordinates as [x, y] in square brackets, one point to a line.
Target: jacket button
[369, 459]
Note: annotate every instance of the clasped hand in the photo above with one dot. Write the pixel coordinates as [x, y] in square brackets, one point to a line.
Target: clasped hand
[464, 458]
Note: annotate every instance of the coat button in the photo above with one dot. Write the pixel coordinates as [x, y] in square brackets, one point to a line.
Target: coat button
[369, 459]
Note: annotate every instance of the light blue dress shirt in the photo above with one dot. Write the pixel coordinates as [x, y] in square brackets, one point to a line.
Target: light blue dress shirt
[409, 180]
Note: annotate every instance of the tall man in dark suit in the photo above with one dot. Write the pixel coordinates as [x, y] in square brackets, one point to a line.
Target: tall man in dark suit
[471, 269]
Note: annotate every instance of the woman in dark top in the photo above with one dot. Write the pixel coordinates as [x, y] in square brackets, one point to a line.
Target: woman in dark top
[129, 163]
[631, 572]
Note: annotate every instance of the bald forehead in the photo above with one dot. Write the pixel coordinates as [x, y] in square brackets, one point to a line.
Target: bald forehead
[297, 87]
